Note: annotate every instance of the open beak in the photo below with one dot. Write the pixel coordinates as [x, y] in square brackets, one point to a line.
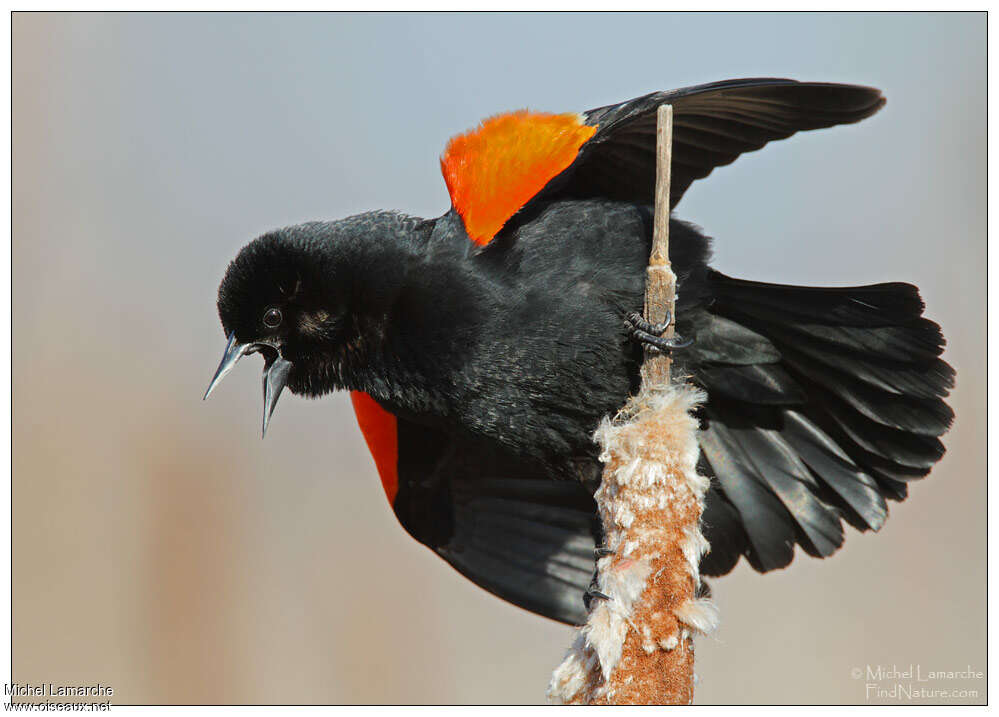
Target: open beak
[276, 370]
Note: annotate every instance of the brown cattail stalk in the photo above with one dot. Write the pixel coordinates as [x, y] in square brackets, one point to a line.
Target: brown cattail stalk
[660, 282]
[637, 647]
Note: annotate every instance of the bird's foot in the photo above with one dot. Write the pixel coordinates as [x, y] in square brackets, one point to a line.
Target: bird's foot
[637, 321]
[650, 335]
[590, 595]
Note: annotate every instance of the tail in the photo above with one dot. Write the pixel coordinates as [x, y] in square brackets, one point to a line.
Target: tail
[836, 406]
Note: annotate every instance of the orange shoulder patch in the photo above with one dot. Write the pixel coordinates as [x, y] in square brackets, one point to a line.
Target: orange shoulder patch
[381, 434]
[494, 170]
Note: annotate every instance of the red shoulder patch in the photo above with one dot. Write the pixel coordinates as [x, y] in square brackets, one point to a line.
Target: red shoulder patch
[494, 170]
[381, 434]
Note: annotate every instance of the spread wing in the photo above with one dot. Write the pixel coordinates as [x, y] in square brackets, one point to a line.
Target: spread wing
[712, 125]
[512, 160]
[500, 521]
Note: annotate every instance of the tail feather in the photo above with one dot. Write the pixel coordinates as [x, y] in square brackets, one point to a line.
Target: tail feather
[886, 304]
[837, 470]
[912, 342]
[763, 384]
[723, 341]
[923, 416]
[904, 447]
[722, 527]
[769, 532]
[843, 420]
[926, 380]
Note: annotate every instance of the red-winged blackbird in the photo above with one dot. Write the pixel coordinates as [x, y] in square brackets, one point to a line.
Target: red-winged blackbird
[483, 347]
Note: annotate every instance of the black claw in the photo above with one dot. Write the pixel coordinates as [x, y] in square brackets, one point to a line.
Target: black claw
[637, 321]
[603, 552]
[659, 343]
[650, 335]
[593, 594]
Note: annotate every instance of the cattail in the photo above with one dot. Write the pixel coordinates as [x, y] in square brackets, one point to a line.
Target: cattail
[636, 646]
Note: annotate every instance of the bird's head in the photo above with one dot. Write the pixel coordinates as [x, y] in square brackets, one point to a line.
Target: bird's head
[286, 296]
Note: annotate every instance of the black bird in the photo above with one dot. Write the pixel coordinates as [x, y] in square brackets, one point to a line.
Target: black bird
[483, 347]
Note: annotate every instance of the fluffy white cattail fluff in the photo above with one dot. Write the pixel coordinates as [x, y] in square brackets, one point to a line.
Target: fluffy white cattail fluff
[636, 647]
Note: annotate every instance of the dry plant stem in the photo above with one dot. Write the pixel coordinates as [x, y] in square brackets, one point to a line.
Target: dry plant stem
[660, 283]
[636, 647]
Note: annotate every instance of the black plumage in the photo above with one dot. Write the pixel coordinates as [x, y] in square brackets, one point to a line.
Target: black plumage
[499, 361]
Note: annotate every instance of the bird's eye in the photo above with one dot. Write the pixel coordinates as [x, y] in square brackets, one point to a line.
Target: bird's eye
[272, 318]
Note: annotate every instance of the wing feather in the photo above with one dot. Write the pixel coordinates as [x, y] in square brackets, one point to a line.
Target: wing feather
[514, 159]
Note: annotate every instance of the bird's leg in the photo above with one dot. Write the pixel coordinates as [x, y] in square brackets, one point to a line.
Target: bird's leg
[650, 334]
[592, 593]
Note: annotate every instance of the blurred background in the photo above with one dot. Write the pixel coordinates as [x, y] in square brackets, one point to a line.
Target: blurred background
[162, 548]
